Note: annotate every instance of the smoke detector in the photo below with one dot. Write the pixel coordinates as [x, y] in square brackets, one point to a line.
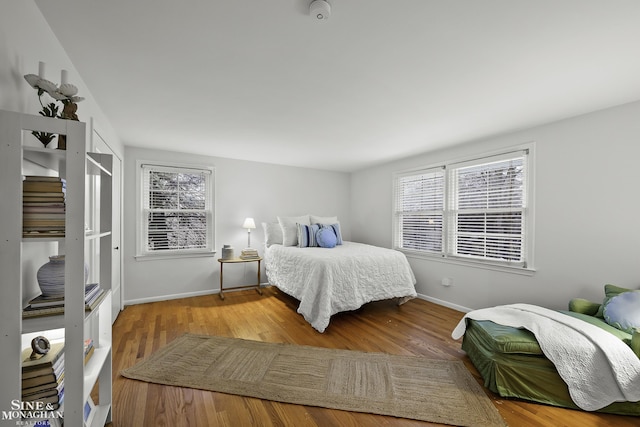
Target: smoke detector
[320, 10]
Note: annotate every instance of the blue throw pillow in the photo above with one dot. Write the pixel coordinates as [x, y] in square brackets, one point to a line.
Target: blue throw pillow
[336, 231]
[307, 235]
[623, 311]
[326, 237]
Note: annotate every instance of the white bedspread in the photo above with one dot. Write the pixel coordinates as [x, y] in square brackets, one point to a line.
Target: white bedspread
[599, 368]
[329, 281]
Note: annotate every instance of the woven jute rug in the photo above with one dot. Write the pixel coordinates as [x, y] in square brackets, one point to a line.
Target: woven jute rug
[438, 391]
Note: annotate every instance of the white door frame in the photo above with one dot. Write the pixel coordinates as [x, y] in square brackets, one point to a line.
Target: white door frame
[96, 133]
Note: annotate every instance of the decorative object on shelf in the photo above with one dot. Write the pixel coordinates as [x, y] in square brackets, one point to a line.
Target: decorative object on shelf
[51, 276]
[65, 93]
[249, 224]
[227, 252]
[40, 346]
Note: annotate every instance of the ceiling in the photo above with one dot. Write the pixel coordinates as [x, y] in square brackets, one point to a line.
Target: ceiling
[380, 80]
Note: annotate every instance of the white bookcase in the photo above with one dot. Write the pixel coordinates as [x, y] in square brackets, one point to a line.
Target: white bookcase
[19, 149]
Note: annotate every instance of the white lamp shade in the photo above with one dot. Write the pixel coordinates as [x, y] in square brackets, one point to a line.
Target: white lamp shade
[249, 223]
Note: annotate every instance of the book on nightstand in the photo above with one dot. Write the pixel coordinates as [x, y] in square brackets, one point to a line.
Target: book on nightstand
[249, 253]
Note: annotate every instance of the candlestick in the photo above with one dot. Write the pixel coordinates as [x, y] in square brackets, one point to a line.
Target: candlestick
[64, 77]
[41, 69]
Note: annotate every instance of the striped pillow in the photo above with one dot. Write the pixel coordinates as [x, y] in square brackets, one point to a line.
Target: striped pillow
[336, 230]
[307, 235]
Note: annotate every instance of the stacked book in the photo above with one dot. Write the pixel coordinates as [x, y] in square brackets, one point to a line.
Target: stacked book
[51, 306]
[43, 208]
[249, 253]
[43, 376]
[89, 348]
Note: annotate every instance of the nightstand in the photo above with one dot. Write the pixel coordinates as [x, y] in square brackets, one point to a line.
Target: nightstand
[236, 261]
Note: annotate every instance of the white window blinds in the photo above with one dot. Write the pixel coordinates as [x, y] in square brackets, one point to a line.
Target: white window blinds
[488, 209]
[177, 209]
[477, 210]
[419, 208]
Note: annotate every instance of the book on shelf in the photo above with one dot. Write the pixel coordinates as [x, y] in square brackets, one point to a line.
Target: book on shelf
[43, 206]
[52, 186]
[42, 178]
[46, 390]
[55, 401]
[50, 378]
[95, 300]
[53, 310]
[57, 198]
[44, 194]
[89, 348]
[42, 301]
[89, 411]
[39, 210]
[42, 364]
[26, 222]
[43, 228]
[42, 215]
[43, 234]
[49, 204]
[46, 386]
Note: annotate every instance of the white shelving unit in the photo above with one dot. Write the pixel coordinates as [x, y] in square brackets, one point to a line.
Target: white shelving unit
[73, 164]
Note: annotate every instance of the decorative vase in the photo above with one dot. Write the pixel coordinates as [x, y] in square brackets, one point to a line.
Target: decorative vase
[227, 252]
[68, 113]
[51, 277]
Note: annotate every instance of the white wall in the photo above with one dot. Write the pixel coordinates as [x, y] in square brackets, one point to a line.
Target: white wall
[26, 39]
[587, 231]
[243, 189]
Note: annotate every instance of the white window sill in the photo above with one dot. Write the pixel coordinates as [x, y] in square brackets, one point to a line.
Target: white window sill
[528, 271]
[154, 257]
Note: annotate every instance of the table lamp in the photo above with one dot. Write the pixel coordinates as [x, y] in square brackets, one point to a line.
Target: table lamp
[249, 223]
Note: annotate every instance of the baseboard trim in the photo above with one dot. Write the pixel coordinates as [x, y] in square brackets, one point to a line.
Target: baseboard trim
[170, 297]
[445, 303]
[217, 291]
[184, 295]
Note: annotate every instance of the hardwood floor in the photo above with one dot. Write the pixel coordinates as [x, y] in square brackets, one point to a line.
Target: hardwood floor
[416, 328]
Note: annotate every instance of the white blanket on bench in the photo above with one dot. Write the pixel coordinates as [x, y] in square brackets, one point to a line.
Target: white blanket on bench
[598, 367]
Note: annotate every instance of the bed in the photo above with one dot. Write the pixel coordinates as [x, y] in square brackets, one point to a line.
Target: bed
[534, 358]
[327, 281]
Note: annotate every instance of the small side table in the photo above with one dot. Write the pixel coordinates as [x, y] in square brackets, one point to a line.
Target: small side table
[235, 261]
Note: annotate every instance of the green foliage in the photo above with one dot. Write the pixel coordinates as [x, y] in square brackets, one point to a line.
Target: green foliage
[49, 110]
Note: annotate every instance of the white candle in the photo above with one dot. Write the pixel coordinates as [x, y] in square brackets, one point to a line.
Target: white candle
[41, 69]
[64, 77]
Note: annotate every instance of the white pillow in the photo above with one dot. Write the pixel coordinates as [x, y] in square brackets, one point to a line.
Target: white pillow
[327, 220]
[272, 233]
[324, 220]
[289, 225]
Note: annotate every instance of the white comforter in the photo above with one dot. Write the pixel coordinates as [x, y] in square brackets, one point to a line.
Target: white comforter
[599, 368]
[328, 281]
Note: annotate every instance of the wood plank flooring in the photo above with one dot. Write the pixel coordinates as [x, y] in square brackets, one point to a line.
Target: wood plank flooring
[416, 328]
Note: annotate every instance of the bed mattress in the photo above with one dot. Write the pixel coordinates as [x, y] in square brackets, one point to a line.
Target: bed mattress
[327, 281]
[512, 365]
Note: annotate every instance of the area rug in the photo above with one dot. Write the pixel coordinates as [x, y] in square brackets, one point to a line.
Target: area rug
[419, 388]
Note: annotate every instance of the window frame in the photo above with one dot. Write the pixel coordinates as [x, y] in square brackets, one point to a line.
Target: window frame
[447, 253]
[142, 252]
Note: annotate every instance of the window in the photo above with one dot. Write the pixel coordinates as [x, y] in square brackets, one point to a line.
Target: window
[476, 210]
[177, 210]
